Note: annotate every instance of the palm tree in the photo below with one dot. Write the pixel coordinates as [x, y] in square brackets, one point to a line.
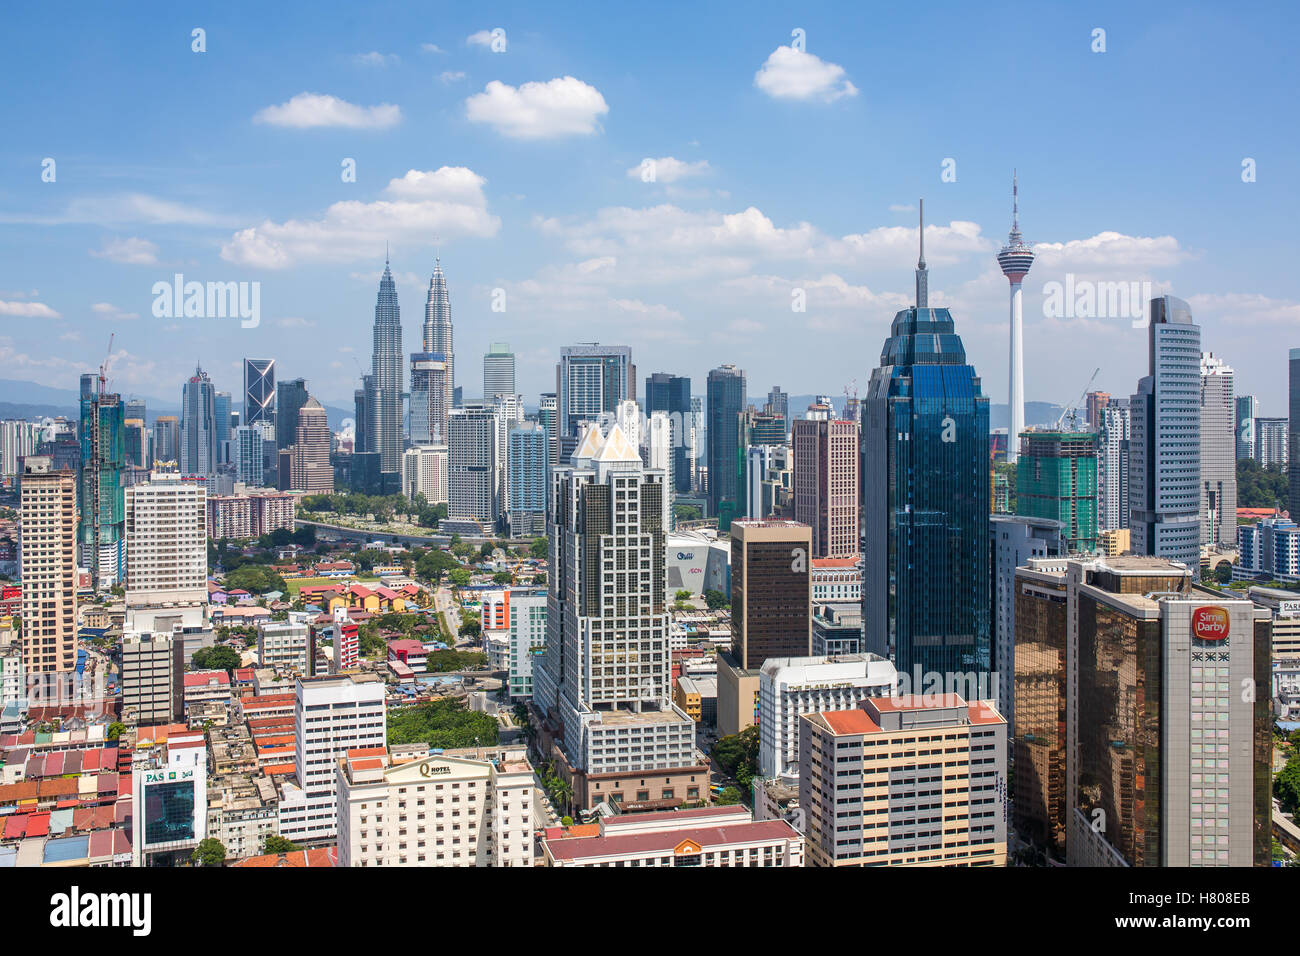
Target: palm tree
[564, 793]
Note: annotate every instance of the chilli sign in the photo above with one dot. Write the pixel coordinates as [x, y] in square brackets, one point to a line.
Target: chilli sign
[1210, 623]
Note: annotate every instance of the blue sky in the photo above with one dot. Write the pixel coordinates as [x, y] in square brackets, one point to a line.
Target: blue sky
[777, 170]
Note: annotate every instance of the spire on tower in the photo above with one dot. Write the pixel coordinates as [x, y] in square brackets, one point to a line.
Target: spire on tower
[922, 273]
[1015, 201]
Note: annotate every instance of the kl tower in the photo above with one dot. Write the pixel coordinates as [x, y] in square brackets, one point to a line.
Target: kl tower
[1015, 259]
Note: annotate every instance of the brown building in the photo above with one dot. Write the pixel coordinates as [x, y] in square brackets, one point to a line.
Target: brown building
[48, 562]
[826, 484]
[312, 470]
[771, 591]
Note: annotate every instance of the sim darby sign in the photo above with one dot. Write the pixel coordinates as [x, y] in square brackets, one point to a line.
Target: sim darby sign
[1210, 624]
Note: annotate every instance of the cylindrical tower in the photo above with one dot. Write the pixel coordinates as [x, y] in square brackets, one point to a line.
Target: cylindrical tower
[1015, 259]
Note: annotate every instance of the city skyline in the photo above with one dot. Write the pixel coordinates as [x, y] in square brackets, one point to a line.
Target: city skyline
[693, 268]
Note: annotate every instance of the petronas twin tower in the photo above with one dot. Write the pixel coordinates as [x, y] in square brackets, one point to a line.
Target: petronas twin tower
[384, 392]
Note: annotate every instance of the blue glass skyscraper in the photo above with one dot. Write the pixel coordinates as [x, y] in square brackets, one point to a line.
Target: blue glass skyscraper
[925, 437]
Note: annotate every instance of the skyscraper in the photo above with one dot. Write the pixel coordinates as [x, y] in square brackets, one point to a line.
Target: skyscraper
[385, 426]
[167, 552]
[778, 403]
[725, 401]
[1056, 477]
[248, 454]
[527, 477]
[1094, 404]
[1165, 447]
[290, 397]
[669, 393]
[604, 683]
[1113, 465]
[1247, 410]
[198, 426]
[102, 525]
[548, 418]
[498, 371]
[1015, 259]
[47, 561]
[826, 484]
[1218, 453]
[221, 414]
[312, 471]
[166, 439]
[259, 390]
[590, 381]
[437, 328]
[1293, 435]
[428, 398]
[925, 436]
[472, 473]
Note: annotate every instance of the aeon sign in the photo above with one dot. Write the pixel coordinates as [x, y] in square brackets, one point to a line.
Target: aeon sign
[1210, 624]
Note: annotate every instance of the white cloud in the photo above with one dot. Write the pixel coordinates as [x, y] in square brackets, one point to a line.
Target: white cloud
[481, 38]
[28, 310]
[668, 169]
[1110, 250]
[790, 74]
[124, 208]
[451, 76]
[375, 58]
[902, 207]
[107, 310]
[431, 48]
[419, 207]
[1243, 308]
[564, 106]
[314, 110]
[132, 251]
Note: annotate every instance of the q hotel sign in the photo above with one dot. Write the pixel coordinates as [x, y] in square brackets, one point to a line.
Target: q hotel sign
[1210, 624]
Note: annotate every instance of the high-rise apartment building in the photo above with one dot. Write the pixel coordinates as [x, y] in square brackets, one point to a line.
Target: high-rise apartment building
[672, 394]
[1165, 447]
[248, 454]
[1293, 432]
[1218, 453]
[472, 469]
[1056, 477]
[869, 800]
[548, 418]
[47, 561]
[424, 472]
[725, 399]
[526, 473]
[166, 552]
[17, 441]
[437, 333]
[1247, 408]
[1094, 404]
[1272, 436]
[926, 490]
[603, 686]
[198, 445]
[1112, 465]
[102, 507]
[826, 484]
[332, 715]
[385, 425]
[498, 371]
[428, 414]
[590, 381]
[259, 391]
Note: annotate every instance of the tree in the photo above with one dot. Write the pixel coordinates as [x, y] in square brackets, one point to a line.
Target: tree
[209, 852]
[446, 723]
[256, 579]
[682, 595]
[434, 564]
[221, 657]
[470, 627]
[114, 730]
[502, 577]
[687, 512]
[738, 755]
[715, 599]
[728, 797]
[459, 577]
[1223, 572]
[538, 549]
[1259, 487]
[1287, 785]
[278, 844]
[485, 550]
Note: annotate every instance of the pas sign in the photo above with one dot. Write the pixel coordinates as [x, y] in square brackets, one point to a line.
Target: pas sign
[1210, 623]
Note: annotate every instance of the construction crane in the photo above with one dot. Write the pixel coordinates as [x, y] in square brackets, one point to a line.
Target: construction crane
[103, 366]
[1071, 411]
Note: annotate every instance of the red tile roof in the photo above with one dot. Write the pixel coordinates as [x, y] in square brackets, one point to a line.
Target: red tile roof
[850, 722]
[320, 857]
[662, 841]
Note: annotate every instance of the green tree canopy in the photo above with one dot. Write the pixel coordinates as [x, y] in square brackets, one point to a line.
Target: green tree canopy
[445, 723]
[209, 852]
[715, 599]
[278, 844]
[220, 657]
[256, 579]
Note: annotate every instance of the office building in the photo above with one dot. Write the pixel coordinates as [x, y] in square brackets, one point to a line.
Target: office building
[527, 478]
[385, 424]
[869, 802]
[167, 552]
[1293, 432]
[47, 561]
[290, 397]
[1113, 465]
[428, 415]
[726, 403]
[138, 443]
[101, 502]
[332, 715]
[424, 472]
[1056, 477]
[312, 471]
[1015, 540]
[1165, 447]
[152, 668]
[1271, 438]
[259, 391]
[462, 808]
[926, 489]
[1246, 408]
[248, 454]
[603, 685]
[437, 333]
[790, 687]
[166, 439]
[671, 394]
[778, 403]
[498, 371]
[1218, 454]
[198, 447]
[590, 381]
[1094, 405]
[17, 441]
[826, 485]
[472, 478]
[287, 647]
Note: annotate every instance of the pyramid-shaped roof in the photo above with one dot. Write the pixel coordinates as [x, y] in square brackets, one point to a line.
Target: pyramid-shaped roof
[617, 447]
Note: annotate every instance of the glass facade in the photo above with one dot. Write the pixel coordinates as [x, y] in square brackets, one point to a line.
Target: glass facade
[672, 394]
[725, 398]
[926, 493]
[1038, 737]
[1056, 477]
[169, 813]
[102, 524]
